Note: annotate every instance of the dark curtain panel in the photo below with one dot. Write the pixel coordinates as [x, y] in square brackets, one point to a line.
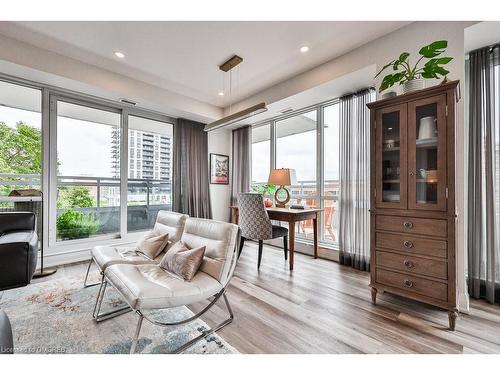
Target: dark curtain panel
[484, 177]
[242, 147]
[354, 174]
[191, 175]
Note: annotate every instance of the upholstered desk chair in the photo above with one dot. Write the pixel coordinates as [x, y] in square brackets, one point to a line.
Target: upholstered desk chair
[256, 225]
[105, 256]
[148, 287]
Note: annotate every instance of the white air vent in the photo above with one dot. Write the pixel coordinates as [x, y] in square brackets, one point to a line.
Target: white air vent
[126, 101]
[286, 110]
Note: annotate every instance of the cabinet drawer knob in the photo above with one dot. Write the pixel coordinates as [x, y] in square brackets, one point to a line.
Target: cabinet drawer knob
[408, 224]
[408, 283]
[408, 263]
[408, 244]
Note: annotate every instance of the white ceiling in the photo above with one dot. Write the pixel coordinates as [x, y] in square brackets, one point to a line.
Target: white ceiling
[481, 34]
[183, 57]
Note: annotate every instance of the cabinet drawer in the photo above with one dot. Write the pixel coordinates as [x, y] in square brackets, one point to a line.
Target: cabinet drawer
[415, 225]
[413, 284]
[411, 245]
[413, 265]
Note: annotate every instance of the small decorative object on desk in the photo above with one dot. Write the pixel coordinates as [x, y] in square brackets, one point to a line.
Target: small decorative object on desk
[219, 169]
[297, 207]
[268, 202]
[412, 78]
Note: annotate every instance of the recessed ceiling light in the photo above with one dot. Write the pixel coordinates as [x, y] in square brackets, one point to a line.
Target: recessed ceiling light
[119, 54]
[220, 93]
[304, 49]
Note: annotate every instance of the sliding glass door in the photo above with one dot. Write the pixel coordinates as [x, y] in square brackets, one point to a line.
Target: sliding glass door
[87, 171]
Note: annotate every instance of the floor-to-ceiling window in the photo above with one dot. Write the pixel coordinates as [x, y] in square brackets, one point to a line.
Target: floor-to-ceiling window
[331, 183]
[307, 141]
[20, 139]
[78, 150]
[87, 171]
[296, 149]
[261, 155]
[150, 146]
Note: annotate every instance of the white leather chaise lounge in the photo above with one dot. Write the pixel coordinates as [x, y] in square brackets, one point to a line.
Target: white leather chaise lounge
[149, 287]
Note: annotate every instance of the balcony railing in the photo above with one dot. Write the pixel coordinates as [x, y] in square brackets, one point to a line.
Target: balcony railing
[145, 198]
[306, 192]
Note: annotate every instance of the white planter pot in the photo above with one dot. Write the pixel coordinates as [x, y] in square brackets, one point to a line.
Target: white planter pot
[413, 85]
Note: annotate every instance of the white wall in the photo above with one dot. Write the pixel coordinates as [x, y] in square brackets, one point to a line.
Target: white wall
[409, 38]
[219, 142]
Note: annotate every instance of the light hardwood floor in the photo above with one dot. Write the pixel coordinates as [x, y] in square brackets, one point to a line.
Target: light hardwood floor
[323, 307]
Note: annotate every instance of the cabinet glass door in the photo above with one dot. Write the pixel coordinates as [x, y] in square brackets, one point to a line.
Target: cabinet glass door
[391, 157]
[427, 153]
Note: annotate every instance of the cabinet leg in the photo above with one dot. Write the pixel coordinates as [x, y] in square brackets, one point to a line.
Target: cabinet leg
[374, 295]
[452, 318]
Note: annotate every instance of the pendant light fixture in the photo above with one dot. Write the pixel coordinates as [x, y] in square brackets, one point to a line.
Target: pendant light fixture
[226, 67]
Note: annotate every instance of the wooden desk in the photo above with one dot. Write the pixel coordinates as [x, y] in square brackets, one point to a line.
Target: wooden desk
[290, 216]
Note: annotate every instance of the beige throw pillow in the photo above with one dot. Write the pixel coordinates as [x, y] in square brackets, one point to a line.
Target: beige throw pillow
[152, 245]
[182, 261]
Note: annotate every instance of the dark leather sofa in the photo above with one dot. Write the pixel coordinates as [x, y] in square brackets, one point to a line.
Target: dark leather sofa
[18, 249]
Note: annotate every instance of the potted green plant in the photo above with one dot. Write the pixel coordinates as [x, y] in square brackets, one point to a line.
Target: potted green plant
[412, 77]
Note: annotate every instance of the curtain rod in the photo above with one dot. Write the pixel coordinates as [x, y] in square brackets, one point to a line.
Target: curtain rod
[490, 48]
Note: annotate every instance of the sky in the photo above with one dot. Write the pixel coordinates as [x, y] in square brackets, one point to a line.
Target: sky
[298, 151]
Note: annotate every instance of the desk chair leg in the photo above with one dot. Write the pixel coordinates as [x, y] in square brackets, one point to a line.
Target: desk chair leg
[285, 246]
[261, 244]
[242, 242]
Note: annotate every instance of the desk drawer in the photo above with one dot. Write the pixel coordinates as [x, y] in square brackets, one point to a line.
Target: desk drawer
[413, 284]
[413, 265]
[411, 245]
[413, 225]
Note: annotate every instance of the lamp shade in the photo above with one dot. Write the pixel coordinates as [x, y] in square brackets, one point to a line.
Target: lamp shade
[283, 176]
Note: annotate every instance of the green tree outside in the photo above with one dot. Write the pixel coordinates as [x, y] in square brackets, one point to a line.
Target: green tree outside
[20, 153]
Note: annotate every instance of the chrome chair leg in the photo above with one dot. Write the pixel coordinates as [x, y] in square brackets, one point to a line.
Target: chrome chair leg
[85, 285]
[97, 315]
[137, 332]
[98, 301]
[195, 316]
[210, 331]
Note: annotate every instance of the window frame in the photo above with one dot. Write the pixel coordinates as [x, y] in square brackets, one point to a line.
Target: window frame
[320, 164]
[50, 95]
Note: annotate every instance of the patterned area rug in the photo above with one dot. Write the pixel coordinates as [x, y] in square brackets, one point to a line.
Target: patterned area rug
[56, 317]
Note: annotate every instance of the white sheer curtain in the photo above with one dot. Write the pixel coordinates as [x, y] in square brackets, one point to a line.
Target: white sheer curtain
[354, 200]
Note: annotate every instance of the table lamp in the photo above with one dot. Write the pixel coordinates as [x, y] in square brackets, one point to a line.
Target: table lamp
[282, 177]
